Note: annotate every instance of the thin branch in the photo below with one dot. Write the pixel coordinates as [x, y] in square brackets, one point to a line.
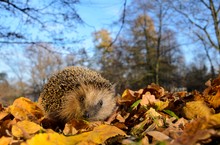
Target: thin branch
[122, 24]
[198, 26]
[23, 10]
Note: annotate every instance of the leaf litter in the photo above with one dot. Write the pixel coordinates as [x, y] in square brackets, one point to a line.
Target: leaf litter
[150, 115]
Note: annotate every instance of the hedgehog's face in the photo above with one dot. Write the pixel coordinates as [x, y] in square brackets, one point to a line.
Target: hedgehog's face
[89, 103]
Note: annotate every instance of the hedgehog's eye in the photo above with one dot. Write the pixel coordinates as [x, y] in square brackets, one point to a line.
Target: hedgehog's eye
[81, 98]
[100, 103]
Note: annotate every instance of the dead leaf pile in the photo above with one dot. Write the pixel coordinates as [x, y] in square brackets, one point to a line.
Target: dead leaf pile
[150, 115]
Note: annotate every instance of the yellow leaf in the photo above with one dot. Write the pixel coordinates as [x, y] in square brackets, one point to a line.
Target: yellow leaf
[214, 97]
[213, 121]
[3, 114]
[160, 105]
[25, 129]
[103, 132]
[48, 139]
[99, 135]
[23, 109]
[5, 140]
[127, 97]
[196, 109]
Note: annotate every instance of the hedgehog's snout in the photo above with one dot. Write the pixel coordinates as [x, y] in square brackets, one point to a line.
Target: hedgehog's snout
[86, 115]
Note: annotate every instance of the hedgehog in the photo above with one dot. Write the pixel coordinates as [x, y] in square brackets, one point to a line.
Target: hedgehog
[77, 93]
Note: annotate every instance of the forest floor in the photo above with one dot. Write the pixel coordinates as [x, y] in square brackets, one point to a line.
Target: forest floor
[150, 115]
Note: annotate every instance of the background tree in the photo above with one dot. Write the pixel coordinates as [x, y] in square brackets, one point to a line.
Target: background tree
[110, 59]
[7, 92]
[201, 18]
[145, 52]
[43, 63]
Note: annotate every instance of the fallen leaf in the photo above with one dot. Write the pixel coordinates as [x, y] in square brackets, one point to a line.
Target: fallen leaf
[155, 90]
[196, 109]
[101, 133]
[5, 140]
[194, 133]
[4, 114]
[98, 136]
[23, 109]
[213, 96]
[25, 129]
[48, 139]
[69, 129]
[152, 113]
[158, 135]
[147, 99]
[161, 105]
[213, 121]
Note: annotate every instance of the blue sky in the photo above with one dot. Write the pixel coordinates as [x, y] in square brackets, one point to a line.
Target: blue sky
[99, 14]
[96, 14]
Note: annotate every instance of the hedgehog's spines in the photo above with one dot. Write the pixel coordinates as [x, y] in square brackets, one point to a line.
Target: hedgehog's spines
[59, 97]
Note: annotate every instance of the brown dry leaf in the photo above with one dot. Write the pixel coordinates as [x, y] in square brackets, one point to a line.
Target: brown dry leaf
[216, 81]
[69, 130]
[156, 90]
[213, 96]
[193, 133]
[5, 140]
[174, 130]
[25, 129]
[127, 96]
[3, 115]
[120, 118]
[147, 99]
[6, 125]
[158, 135]
[196, 109]
[23, 109]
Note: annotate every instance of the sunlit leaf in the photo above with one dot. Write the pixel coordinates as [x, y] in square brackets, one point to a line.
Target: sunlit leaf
[5, 140]
[23, 109]
[48, 139]
[25, 128]
[196, 109]
[161, 105]
[213, 121]
[98, 136]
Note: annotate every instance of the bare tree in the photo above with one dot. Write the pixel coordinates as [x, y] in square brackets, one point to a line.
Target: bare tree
[203, 19]
[146, 50]
[43, 62]
[161, 37]
[22, 21]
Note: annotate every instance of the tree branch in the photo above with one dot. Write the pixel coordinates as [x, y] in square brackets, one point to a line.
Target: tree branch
[122, 24]
[23, 10]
